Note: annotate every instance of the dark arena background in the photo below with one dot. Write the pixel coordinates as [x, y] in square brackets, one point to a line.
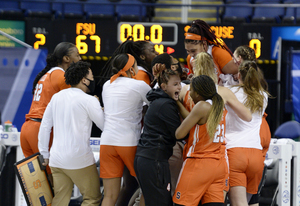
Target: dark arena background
[97, 40]
[97, 27]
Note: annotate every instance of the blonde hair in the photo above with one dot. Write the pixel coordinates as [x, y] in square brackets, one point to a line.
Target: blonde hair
[246, 52]
[204, 65]
[252, 86]
[205, 87]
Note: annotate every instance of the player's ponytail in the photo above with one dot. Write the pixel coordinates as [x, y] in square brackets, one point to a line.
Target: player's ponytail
[247, 53]
[205, 87]
[204, 65]
[252, 86]
[118, 63]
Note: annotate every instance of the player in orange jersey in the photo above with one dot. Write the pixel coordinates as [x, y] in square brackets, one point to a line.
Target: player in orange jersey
[204, 65]
[205, 125]
[48, 82]
[199, 38]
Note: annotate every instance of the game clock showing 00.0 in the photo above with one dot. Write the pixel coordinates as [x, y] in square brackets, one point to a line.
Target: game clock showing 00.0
[101, 38]
[160, 34]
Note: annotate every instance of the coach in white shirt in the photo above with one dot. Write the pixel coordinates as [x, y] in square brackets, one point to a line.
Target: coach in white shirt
[70, 113]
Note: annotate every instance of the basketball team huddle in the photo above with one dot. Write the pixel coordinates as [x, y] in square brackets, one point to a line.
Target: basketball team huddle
[183, 136]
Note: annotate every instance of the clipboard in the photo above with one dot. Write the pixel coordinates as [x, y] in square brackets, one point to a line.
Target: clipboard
[33, 179]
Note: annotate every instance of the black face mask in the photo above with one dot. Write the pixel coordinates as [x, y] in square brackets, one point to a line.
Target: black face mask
[91, 86]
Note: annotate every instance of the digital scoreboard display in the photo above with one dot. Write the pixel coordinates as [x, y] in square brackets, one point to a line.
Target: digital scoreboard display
[101, 38]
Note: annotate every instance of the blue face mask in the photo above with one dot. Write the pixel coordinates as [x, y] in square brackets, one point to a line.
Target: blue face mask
[91, 86]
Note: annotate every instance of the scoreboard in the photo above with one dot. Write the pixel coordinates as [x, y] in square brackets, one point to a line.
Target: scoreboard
[101, 38]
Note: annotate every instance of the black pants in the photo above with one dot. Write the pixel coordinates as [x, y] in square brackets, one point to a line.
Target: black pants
[155, 180]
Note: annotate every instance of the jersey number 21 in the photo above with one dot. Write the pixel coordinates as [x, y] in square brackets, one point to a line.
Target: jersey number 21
[219, 135]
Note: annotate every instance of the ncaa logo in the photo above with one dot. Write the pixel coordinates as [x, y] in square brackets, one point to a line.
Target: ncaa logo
[4, 136]
[275, 150]
[298, 191]
[285, 196]
[178, 195]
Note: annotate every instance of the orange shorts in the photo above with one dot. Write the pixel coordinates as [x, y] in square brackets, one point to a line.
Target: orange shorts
[113, 158]
[200, 180]
[246, 166]
[29, 139]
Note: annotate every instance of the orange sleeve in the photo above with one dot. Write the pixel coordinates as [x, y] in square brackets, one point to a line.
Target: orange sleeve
[58, 80]
[141, 75]
[188, 61]
[221, 57]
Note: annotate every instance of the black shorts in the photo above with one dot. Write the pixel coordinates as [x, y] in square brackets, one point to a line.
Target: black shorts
[155, 180]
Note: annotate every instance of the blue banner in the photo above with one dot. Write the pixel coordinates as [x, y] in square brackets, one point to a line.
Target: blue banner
[291, 33]
[296, 85]
[18, 68]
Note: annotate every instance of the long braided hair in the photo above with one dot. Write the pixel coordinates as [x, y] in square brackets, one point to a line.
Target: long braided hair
[205, 87]
[54, 59]
[201, 28]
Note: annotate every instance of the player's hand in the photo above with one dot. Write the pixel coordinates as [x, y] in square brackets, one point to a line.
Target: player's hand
[46, 162]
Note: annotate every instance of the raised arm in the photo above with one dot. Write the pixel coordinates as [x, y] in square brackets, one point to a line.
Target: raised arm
[231, 101]
[230, 68]
[182, 110]
[198, 115]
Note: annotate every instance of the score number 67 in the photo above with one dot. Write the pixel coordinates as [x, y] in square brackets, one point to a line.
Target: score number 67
[83, 47]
